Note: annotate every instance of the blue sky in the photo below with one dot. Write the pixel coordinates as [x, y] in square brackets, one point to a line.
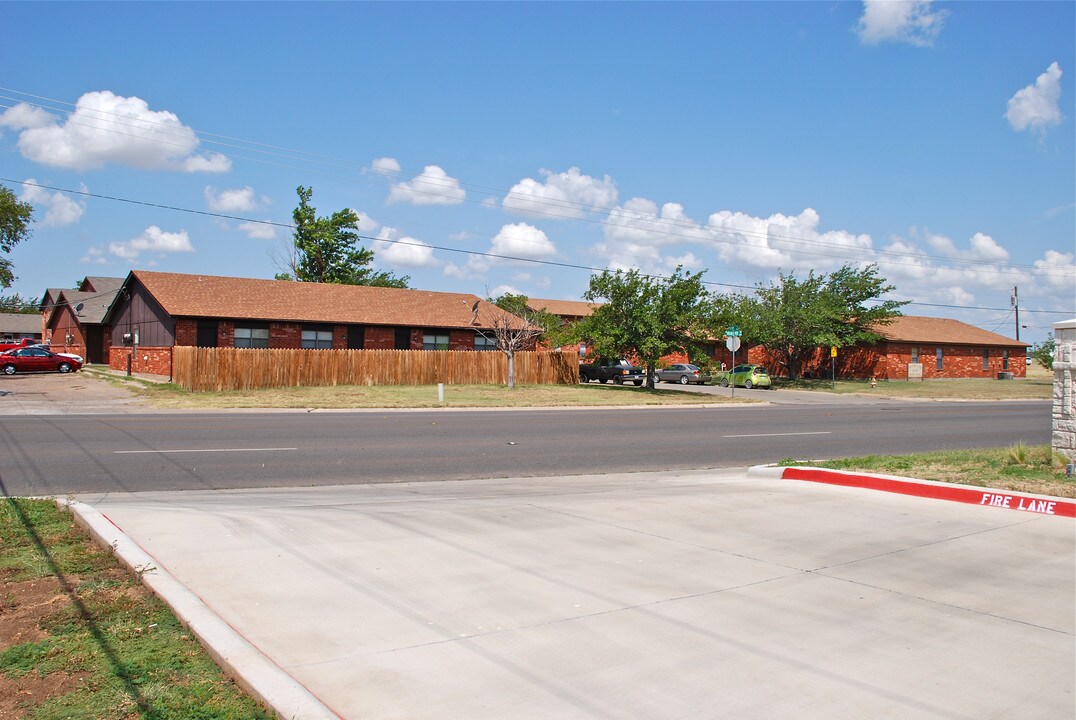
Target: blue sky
[744, 139]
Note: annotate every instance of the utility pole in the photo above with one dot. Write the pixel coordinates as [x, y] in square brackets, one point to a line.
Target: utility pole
[1015, 299]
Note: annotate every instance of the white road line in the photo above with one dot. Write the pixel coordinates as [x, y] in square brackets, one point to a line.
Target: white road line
[207, 450]
[825, 432]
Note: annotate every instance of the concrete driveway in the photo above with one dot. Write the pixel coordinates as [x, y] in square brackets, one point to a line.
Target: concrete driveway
[71, 394]
[670, 595]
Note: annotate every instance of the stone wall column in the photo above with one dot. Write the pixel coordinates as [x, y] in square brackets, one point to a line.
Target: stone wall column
[1064, 412]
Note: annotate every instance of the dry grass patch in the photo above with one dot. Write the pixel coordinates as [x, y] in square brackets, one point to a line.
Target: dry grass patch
[1021, 468]
[1036, 387]
[425, 396]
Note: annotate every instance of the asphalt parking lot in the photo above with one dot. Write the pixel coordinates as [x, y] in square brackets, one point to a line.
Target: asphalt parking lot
[664, 595]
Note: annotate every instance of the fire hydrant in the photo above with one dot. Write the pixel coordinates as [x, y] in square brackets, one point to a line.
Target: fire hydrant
[874, 382]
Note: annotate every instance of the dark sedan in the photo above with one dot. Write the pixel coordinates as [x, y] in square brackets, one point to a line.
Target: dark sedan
[682, 373]
[36, 359]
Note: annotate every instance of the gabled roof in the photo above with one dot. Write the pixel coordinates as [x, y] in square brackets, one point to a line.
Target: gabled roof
[211, 296]
[101, 284]
[941, 331]
[94, 304]
[49, 299]
[563, 308]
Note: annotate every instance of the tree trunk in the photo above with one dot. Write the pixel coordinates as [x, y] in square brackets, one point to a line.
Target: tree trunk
[511, 369]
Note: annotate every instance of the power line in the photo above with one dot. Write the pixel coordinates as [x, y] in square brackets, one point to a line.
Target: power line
[476, 253]
[655, 224]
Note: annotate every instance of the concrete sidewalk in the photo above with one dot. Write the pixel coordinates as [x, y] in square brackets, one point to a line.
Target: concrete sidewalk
[661, 595]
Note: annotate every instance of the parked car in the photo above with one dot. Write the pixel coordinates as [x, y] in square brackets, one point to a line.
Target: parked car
[683, 373]
[32, 359]
[619, 371]
[749, 376]
[43, 346]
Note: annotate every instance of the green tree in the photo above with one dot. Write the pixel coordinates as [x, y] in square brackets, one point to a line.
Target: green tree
[15, 219]
[1043, 352]
[327, 250]
[18, 304]
[647, 317]
[792, 318]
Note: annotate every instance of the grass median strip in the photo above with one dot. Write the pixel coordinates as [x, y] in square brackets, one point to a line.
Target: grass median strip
[82, 638]
[1021, 468]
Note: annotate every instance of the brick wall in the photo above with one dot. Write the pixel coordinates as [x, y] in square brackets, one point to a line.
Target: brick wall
[379, 338]
[151, 360]
[889, 361]
[461, 340]
[186, 332]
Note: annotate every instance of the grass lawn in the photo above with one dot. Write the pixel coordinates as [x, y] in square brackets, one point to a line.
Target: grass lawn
[418, 396]
[1020, 468]
[81, 637]
[1037, 385]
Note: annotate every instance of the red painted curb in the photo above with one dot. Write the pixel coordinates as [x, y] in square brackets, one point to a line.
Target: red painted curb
[989, 498]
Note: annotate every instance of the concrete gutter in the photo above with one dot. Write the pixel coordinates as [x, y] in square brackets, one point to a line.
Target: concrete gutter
[252, 670]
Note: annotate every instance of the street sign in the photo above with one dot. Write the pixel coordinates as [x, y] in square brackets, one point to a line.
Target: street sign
[833, 351]
[732, 343]
[733, 331]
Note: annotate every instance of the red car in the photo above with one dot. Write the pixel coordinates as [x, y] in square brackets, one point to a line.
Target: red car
[35, 359]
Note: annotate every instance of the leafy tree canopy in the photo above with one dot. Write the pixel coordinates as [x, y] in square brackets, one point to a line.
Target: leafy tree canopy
[792, 317]
[518, 305]
[327, 249]
[1043, 352]
[646, 317]
[15, 218]
[18, 304]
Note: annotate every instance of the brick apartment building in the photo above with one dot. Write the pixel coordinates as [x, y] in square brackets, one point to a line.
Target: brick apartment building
[155, 311]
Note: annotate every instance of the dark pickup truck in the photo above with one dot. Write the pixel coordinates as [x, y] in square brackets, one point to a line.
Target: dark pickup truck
[619, 371]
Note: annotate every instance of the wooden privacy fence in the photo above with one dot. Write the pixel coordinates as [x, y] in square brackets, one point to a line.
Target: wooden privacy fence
[199, 369]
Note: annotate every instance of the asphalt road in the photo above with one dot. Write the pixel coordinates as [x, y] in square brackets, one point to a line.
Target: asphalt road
[59, 454]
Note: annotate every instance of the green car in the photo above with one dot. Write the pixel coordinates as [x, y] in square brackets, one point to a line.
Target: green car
[749, 376]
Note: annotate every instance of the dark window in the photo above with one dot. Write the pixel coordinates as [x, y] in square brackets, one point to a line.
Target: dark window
[986, 359]
[938, 359]
[435, 340]
[1004, 359]
[915, 355]
[207, 333]
[356, 337]
[251, 336]
[317, 337]
[403, 338]
[481, 342]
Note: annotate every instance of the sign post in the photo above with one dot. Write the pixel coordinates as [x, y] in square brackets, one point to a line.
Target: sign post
[732, 342]
[833, 367]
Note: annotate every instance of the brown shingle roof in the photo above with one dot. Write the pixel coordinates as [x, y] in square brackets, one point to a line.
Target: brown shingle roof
[941, 331]
[563, 308]
[286, 300]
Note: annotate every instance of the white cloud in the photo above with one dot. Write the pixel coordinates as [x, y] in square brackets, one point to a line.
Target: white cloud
[504, 290]
[1037, 106]
[432, 187]
[110, 129]
[25, 117]
[400, 250]
[95, 256]
[566, 195]
[909, 21]
[59, 209]
[154, 240]
[523, 241]
[258, 231]
[385, 166]
[233, 200]
[517, 240]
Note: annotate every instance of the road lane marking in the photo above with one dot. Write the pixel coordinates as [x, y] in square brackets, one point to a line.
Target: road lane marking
[206, 450]
[823, 432]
